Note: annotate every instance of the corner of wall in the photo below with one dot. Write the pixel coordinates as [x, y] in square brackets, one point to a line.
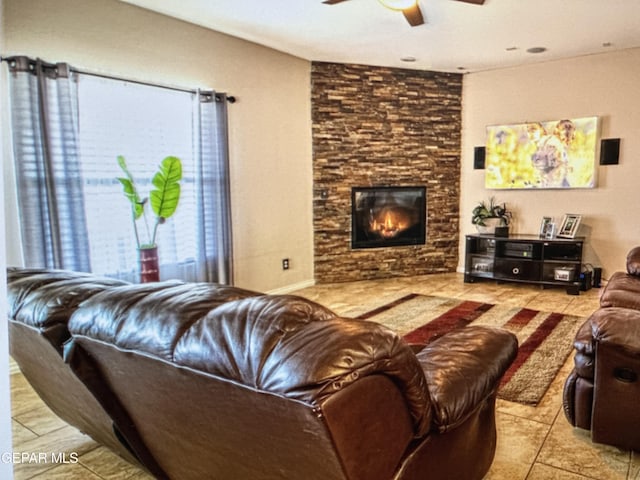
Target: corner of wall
[6, 469]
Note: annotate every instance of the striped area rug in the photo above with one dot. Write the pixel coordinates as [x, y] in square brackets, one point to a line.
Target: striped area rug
[545, 338]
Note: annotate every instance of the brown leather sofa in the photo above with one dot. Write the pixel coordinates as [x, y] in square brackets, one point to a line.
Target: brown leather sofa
[206, 381]
[602, 392]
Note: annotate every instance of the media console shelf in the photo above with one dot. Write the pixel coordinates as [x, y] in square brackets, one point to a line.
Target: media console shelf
[525, 258]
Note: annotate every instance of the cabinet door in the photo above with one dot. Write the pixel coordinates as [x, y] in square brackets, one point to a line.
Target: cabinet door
[481, 246]
[480, 266]
[479, 257]
[513, 269]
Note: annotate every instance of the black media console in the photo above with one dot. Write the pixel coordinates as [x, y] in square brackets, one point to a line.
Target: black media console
[525, 258]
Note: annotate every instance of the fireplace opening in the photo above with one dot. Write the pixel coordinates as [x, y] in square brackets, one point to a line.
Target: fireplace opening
[388, 216]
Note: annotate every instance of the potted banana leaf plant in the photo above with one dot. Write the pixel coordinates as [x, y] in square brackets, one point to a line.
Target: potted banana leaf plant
[163, 198]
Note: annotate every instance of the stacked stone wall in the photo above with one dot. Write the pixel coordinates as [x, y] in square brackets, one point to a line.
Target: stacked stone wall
[378, 126]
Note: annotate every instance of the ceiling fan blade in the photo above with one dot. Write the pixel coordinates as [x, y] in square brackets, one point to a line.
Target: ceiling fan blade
[331, 2]
[475, 2]
[413, 15]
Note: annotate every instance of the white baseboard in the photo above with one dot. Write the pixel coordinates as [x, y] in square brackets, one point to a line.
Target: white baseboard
[292, 288]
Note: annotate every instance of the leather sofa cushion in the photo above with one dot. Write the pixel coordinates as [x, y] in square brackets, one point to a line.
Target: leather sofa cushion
[150, 317]
[45, 299]
[622, 290]
[42, 298]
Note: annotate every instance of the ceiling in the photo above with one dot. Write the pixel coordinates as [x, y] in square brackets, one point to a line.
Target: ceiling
[457, 36]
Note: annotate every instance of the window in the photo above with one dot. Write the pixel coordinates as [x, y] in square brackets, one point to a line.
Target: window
[144, 124]
[68, 130]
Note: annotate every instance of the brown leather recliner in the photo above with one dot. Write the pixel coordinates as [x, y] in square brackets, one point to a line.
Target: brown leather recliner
[602, 392]
[278, 387]
[40, 303]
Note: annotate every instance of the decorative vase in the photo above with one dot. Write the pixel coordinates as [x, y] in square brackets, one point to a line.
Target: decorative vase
[149, 264]
[489, 226]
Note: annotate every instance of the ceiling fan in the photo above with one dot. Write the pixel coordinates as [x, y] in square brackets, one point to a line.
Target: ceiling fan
[409, 8]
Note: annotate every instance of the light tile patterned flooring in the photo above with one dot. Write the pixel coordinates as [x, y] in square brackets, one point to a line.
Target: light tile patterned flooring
[534, 443]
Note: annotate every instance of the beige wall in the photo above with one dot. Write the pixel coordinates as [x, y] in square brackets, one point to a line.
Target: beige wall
[270, 125]
[603, 85]
[6, 469]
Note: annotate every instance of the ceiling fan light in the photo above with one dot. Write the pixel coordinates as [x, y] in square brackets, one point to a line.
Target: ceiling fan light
[398, 4]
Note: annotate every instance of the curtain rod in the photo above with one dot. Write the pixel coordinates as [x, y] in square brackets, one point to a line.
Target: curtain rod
[230, 98]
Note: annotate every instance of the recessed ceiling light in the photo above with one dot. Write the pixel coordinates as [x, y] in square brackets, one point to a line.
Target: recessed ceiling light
[511, 49]
[536, 50]
[607, 44]
[462, 68]
[408, 58]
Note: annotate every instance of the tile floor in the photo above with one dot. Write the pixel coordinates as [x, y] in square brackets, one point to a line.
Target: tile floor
[534, 443]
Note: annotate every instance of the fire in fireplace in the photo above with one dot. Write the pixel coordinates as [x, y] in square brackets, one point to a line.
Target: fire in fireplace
[388, 216]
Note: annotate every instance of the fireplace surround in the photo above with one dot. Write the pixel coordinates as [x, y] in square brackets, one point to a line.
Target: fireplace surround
[388, 216]
[384, 126]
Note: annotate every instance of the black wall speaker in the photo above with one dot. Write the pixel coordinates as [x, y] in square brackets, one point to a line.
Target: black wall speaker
[478, 158]
[609, 151]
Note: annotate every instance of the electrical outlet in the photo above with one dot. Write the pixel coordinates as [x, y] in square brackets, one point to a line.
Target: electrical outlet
[285, 264]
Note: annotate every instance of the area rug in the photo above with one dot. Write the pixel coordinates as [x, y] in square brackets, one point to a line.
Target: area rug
[545, 338]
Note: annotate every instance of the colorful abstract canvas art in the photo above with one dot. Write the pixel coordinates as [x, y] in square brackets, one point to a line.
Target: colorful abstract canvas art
[554, 154]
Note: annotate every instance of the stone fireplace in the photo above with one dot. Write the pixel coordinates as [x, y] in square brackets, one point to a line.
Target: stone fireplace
[387, 216]
[384, 126]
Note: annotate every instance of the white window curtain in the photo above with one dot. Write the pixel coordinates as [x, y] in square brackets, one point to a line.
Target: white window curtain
[144, 124]
[44, 125]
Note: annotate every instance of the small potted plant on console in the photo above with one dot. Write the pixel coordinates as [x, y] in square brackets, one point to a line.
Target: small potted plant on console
[492, 218]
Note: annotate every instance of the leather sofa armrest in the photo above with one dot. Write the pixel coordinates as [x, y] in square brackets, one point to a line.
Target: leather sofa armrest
[583, 341]
[619, 327]
[585, 351]
[463, 368]
[633, 261]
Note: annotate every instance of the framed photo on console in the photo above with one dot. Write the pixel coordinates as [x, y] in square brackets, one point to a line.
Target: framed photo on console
[545, 227]
[569, 226]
